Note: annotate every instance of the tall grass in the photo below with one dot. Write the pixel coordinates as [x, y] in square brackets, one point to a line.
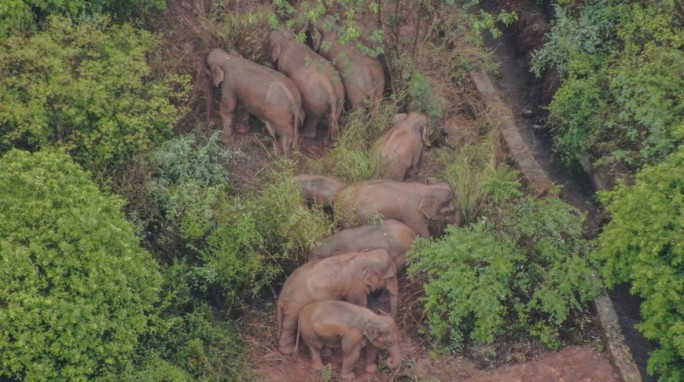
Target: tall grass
[352, 159]
[476, 176]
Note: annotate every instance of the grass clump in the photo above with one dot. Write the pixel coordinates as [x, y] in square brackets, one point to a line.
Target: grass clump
[352, 159]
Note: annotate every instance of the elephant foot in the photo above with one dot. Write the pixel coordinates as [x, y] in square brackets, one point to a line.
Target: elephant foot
[348, 376]
[242, 128]
[286, 350]
[226, 139]
[317, 365]
[371, 368]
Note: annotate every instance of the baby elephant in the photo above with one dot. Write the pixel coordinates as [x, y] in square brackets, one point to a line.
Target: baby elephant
[401, 148]
[351, 327]
[391, 235]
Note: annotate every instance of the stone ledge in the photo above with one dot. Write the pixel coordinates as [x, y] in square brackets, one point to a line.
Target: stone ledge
[620, 355]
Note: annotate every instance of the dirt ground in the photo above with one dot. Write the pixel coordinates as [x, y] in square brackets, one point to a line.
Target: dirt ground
[577, 363]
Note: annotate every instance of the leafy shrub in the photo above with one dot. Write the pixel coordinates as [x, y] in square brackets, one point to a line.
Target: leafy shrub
[27, 15]
[643, 245]
[621, 97]
[289, 229]
[86, 88]
[188, 179]
[519, 272]
[76, 288]
[189, 345]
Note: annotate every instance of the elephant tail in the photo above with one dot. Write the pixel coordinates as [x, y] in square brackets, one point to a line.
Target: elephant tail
[279, 310]
[299, 117]
[296, 340]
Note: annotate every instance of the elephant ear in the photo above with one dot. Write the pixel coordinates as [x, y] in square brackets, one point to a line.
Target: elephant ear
[316, 39]
[216, 74]
[429, 207]
[371, 278]
[371, 332]
[276, 49]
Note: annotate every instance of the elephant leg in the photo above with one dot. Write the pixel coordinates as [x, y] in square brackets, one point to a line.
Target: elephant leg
[316, 360]
[287, 336]
[310, 125]
[371, 356]
[226, 110]
[285, 136]
[348, 360]
[242, 116]
[333, 129]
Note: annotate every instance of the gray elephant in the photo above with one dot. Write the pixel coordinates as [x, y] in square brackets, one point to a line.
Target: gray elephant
[350, 277]
[401, 148]
[391, 235]
[318, 189]
[363, 76]
[338, 324]
[319, 83]
[263, 92]
[413, 204]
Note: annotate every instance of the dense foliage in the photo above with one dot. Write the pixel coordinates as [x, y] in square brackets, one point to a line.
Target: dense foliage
[644, 245]
[622, 97]
[18, 16]
[518, 272]
[87, 88]
[76, 289]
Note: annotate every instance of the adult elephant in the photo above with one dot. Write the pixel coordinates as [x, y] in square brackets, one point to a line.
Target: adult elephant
[391, 235]
[401, 147]
[349, 277]
[338, 324]
[319, 83]
[263, 92]
[318, 189]
[363, 76]
[413, 204]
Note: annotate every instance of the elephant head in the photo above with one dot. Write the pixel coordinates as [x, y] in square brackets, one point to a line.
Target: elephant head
[276, 40]
[215, 60]
[439, 203]
[382, 333]
[381, 273]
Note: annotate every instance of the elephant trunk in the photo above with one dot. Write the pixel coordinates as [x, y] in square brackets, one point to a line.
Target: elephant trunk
[392, 287]
[395, 356]
[455, 219]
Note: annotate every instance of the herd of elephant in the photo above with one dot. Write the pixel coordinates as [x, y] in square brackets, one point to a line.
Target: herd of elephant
[307, 88]
[325, 300]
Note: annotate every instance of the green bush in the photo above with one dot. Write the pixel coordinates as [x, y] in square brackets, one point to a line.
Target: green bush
[643, 245]
[18, 16]
[86, 88]
[518, 272]
[621, 99]
[76, 289]
[289, 229]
